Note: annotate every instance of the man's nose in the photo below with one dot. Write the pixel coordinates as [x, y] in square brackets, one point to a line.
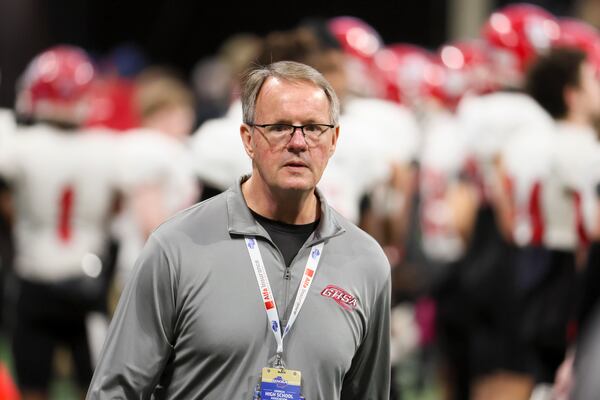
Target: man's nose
[297, 141]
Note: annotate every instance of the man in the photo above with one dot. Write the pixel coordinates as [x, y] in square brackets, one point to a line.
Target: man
[477, 310]
[564, 82]
[191, 321]
[63, 185]
[156, 164]
[218, 159]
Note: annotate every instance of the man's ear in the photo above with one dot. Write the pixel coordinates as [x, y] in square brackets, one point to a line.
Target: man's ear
[246, 136]
[334, 138]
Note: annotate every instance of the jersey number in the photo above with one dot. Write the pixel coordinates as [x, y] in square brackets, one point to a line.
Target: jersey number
[65, 214]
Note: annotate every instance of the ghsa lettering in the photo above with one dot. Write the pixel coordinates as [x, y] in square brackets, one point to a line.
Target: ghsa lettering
[340, 296]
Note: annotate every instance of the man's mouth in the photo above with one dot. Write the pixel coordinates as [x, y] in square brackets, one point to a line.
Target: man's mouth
[296, 164]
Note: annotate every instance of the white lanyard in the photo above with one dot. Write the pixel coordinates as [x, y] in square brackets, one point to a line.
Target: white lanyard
[267, 295]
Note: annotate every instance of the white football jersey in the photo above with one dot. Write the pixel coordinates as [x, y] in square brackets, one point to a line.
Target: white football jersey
[393, 128]
[374, 134]
[218, 151]
[149, 158]
[526, 158]
[442, 159]
[490, 121]
[64, 185]
[342, 191]
[569, 191]
[355, 156]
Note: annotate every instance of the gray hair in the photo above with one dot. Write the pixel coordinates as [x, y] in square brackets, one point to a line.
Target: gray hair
[289, 71]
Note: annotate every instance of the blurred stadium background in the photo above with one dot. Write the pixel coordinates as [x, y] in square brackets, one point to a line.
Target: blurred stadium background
[181, 32]
[128, 35]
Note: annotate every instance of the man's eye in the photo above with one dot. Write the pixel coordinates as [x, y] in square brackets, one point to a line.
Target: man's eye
[312, 128]
[279, 128]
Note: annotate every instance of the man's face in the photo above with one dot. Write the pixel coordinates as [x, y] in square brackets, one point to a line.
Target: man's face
[292, 164]
[176, 121]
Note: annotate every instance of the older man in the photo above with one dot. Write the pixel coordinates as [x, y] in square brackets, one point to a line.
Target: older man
[263, 292]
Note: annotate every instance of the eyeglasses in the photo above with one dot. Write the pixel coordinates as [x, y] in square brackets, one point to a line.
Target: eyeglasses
[276, 134]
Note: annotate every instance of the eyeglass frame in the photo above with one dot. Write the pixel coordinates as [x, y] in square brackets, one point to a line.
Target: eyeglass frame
[301, 127]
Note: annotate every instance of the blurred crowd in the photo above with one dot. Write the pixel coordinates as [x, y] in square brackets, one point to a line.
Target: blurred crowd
[476, 166]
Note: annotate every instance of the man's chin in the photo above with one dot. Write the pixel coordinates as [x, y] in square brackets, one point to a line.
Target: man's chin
[297, 184]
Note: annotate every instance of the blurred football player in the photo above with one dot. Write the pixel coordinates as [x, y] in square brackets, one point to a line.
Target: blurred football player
[514, 35]
[566, 84]
[517, 34]
[218, 158]
[359, 43]
[156, 166]
[64, 186]
[380, 141]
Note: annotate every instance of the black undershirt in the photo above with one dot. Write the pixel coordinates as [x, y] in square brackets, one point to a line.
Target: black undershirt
[288, 238]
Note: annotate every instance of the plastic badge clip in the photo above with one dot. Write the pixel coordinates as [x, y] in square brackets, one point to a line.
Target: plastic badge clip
[279, 364]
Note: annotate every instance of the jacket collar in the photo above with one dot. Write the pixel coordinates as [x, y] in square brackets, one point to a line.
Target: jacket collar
[241, 222]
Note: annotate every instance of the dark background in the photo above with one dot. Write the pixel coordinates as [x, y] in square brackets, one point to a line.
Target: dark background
[180, 32]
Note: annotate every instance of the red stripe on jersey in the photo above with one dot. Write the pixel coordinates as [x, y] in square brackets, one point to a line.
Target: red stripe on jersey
[581, 231]
[64, 218]
[535, 213]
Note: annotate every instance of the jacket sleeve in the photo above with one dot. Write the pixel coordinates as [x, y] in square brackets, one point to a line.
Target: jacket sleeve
[369, 374]
[140, 337]
[587, 360]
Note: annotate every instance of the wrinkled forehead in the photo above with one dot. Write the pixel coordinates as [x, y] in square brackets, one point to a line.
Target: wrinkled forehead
[278, 86]
[292, 98]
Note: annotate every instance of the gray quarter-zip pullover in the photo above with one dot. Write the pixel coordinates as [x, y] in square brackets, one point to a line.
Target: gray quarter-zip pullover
[191, 323]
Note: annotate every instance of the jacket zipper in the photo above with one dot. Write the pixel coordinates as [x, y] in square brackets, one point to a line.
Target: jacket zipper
[287, 277]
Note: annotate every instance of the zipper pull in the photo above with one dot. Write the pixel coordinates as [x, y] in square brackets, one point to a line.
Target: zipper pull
[287, 275]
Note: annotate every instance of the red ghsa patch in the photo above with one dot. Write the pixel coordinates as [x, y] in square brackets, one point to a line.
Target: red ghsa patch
[340, 296]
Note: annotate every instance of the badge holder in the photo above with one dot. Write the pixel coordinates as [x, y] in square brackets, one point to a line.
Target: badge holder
[278, 382]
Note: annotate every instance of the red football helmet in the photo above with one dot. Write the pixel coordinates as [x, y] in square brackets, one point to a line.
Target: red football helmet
[409, 71]
[359, 42]
[578, 34]
[356, 37]
[59, 76]
[467, 69]
[516, 34]
[111, 104]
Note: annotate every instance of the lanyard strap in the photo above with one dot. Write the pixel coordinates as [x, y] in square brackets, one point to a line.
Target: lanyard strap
[267, 294]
